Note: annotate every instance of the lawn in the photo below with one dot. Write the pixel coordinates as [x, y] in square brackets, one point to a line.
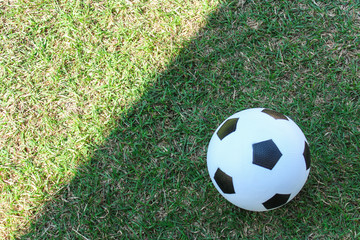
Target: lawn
[107, 108]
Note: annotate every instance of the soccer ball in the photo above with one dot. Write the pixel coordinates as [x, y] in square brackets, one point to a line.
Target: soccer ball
[258, 159]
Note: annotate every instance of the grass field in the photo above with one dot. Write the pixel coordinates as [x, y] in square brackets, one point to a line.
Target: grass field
[107, 107]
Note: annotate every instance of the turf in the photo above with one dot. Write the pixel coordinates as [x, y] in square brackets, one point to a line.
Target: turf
[107, 109]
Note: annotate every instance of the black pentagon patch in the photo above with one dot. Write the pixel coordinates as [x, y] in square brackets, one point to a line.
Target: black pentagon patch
[228, 127]
[307, 155]
[266, 154]
[276, 201]
[224, 181]
[274, 114]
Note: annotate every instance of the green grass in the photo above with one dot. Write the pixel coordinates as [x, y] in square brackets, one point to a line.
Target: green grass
[106, 110]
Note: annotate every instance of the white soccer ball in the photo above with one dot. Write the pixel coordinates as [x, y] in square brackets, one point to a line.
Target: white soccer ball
[258, 159]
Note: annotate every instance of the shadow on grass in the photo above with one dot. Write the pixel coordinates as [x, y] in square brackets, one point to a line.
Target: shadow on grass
[149, 179]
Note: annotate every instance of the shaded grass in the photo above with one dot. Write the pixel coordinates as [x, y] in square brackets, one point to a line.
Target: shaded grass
[148, 178]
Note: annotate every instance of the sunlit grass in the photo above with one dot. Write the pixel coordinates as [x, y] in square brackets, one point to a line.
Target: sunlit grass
[67, 70]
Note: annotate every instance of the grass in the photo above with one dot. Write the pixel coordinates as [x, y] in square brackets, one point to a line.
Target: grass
[107, 109]
[68, 70]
